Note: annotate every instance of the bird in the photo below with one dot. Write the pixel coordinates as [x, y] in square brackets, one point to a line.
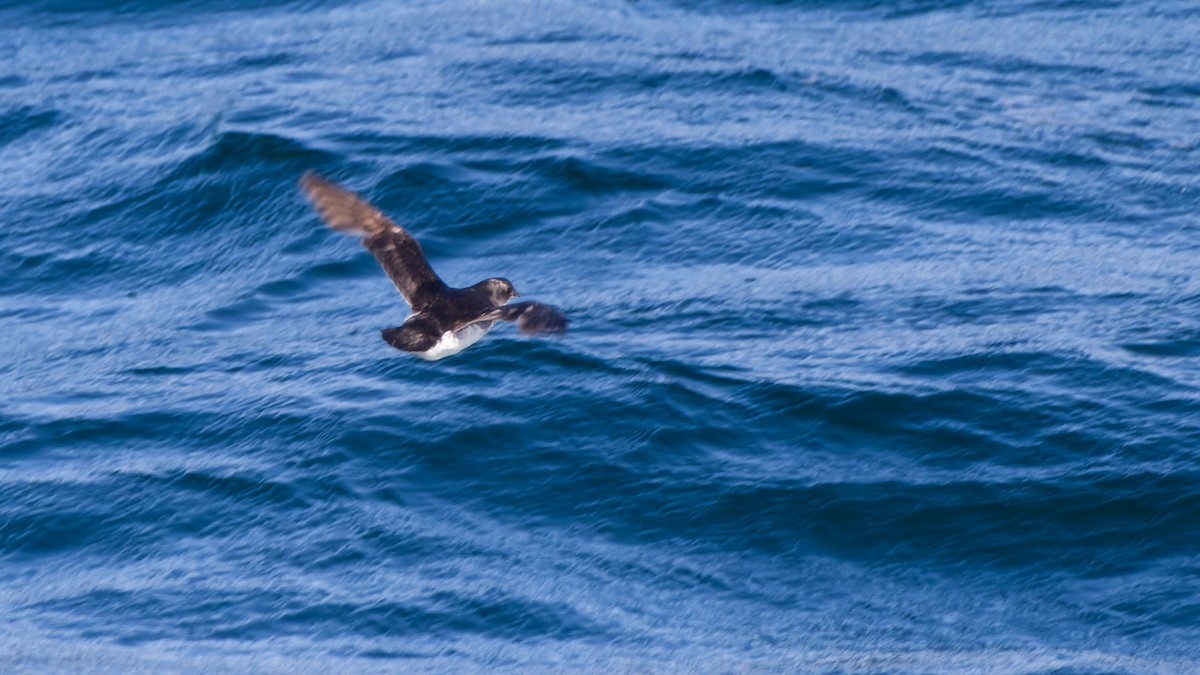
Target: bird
[444, 320]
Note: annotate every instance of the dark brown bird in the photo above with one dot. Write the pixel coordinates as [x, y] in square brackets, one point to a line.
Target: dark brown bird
[444, 320]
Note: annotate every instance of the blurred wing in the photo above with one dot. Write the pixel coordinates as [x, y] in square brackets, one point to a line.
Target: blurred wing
[531, 318]
[395, 249]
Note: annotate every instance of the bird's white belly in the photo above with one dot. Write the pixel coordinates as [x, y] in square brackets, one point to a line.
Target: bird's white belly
[454, 342]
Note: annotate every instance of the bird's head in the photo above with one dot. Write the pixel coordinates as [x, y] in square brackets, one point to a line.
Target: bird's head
[501, 290]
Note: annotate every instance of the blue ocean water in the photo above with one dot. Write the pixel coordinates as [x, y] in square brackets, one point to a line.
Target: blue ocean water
[885, 327]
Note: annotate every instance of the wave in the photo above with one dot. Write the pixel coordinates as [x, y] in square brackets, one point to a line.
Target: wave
[863, 327]
[68, 12]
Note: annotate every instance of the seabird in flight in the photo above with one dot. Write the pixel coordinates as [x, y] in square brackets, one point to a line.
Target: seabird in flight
[444, 320]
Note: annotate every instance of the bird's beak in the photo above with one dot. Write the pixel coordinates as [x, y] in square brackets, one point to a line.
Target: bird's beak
[516, 294]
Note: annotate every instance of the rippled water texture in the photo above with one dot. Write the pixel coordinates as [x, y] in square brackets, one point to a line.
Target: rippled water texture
[885, 326]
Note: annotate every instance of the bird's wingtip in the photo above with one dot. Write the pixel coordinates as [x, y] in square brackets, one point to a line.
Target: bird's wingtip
[310, 178]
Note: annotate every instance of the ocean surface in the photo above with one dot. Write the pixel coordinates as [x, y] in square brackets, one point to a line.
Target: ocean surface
[884, 353]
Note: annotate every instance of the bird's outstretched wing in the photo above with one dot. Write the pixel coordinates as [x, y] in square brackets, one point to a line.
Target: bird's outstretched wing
[395, 249]
[531, 318]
